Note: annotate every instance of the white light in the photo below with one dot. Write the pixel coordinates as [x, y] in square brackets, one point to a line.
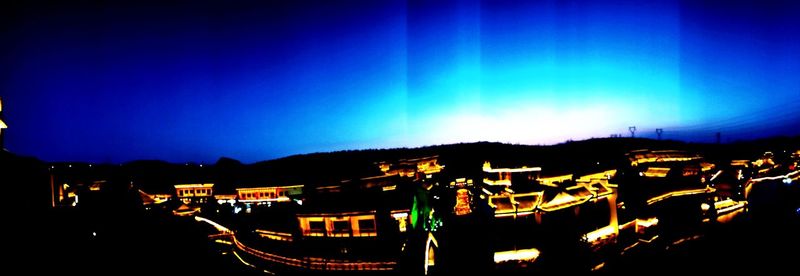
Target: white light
[517, 255]
[787, 180]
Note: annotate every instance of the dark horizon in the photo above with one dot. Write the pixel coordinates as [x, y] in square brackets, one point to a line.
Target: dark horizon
[116, 81]
[766, 143]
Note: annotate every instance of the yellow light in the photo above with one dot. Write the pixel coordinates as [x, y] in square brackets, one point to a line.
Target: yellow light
[429, 252]
[601, 234]
[680, 193]
[218, 226]
[646, 223]
[462, 206]
[401, 220]
[601, 175]
[705, 207]
[223, 242]
[555, 179]
[526, 255]
[503, 182]
[656, 172]
[242, 260]
[728, 205]
[278, 236]
[313, 263]
[390, 188]
[487, 167]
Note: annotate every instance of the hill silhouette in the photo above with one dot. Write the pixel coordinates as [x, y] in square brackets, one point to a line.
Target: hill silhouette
[461, 160]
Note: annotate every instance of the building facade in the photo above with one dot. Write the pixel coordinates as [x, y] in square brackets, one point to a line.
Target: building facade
[195, 193]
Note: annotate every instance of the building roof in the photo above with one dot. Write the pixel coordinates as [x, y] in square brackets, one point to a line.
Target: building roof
[269, 188]
[187, 186]
[487, 167]
[648, 156]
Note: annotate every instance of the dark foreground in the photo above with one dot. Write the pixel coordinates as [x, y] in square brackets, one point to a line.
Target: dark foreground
[89, 243]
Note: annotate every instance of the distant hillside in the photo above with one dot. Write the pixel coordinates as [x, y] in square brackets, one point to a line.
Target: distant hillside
[461, 160]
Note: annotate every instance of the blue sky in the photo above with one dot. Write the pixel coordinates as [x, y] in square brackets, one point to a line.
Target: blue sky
[195, 80]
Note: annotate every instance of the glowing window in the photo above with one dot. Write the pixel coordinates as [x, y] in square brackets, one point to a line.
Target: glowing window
[316, 226]
[366, 225]
[341, 228]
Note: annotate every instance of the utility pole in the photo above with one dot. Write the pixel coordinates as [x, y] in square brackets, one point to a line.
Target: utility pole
[632, 129]
[658, 132]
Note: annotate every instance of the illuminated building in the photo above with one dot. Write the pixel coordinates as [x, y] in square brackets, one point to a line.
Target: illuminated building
[225, 198]
[536, 216]
[186, 210]
[68, 181]
[362, 224]
[667, 188]
[510, 177]
[424, 166]
[730, 181]
[195, 193]
[150, 199]
[269, 194]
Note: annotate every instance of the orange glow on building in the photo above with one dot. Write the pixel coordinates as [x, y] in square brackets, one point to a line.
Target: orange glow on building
[572, 196]
[273, 235]
[553, 180]
[645, 156]
[266, 194]
[338, 225]
[313, 263]
[515, 204]
[604, 175]
[463, 206]
[411, 167]
[461, 183]
[186, 210]
[502, 176]
[643, 224]
[604, 233]
[154, 198]
[487, 167]
[194, 193]
[656, 172]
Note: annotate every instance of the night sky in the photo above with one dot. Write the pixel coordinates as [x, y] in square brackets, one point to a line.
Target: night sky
[253, 80]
